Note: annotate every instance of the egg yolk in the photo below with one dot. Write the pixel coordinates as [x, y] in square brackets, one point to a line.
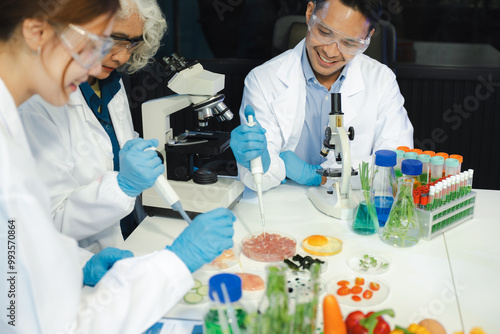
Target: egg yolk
[322, 245]
[317, 240]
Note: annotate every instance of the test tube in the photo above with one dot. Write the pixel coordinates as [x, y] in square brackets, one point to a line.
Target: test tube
[426, 159]
[437, 163]
[424, 199]
[439, 193]
[416, 150]
[453, 195]
[431, 153]
[432, 192]
[469, 185]
[460, 160]
[411, 155]
[448, 188]
[403, 148]
[451, 167]
[462, 180]
[466, 183]
[400, 158]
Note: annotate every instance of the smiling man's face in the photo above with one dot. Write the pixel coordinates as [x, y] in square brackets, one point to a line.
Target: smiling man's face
[326, 60]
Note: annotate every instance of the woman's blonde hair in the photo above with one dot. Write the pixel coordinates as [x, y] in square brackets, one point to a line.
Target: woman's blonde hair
[154, 27]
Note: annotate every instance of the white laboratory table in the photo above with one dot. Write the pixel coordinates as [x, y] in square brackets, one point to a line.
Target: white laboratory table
[453, 278]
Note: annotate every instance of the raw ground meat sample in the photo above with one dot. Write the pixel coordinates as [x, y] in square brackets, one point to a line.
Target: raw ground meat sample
[271, 247]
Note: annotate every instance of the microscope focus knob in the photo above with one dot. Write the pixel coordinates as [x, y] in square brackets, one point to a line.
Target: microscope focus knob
[351, 133]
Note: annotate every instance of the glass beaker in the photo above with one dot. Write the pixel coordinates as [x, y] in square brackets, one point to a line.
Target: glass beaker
[402, 228]
[366, 221]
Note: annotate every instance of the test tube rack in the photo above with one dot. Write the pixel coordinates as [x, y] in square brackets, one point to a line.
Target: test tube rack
[447, 216]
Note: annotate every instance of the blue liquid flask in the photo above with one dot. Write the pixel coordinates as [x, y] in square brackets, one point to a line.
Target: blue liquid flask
[384, 184]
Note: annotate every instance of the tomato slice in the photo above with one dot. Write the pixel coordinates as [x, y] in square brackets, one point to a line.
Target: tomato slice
[356, 289]
[367, 294]
[343, 291]
[356, 298]
[374, 286]
[359, 281]
[343, 283]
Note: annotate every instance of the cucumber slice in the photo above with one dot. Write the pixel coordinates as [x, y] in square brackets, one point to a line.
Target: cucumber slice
[193, 298]
[197, 284]
[203, 290]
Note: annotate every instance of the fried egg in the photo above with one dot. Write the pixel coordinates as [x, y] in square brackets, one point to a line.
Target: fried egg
[322, 245]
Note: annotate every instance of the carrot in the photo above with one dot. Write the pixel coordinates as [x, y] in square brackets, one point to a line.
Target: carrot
[333, 322]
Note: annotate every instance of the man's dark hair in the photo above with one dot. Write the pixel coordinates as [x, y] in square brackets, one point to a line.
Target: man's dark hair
[370, 9]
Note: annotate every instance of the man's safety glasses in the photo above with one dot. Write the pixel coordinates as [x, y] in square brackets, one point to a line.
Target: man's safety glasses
[327, 35]
[86, 48]
[123, 43]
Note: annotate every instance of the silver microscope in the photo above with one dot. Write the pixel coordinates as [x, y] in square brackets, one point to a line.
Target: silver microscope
[338, 201]
[197, 88]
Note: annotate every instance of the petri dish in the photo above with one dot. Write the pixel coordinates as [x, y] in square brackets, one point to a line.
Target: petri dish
[227, 259]
[378, 289]
[322, 245]
[268, 247]
[299, 285]
[369, 263]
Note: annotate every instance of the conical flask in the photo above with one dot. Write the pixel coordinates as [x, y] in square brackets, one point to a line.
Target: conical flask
[402, 228]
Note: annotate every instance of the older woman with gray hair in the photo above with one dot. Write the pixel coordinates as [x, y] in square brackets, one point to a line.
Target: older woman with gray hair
[92, 186]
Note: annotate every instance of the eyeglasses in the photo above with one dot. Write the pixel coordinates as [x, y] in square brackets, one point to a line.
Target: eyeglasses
[327, 35]
[86, 48]
[123, 43]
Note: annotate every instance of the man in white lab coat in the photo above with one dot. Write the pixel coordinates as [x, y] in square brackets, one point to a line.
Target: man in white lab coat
[291, 98]
[77, 146]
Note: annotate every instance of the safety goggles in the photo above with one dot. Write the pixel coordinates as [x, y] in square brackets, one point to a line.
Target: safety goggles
[123, 43]
[328, 35]
[86, 48]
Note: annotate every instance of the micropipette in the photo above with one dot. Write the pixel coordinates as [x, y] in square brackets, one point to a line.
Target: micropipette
[168, 194]
[257, 170]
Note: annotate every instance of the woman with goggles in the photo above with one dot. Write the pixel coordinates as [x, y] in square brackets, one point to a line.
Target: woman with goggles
[49, 51]
[78, 148]
[291, 96]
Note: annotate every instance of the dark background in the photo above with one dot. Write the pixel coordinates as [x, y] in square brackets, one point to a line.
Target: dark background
[446, 52]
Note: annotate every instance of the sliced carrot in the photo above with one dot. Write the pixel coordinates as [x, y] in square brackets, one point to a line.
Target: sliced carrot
[342, 291]
[333, 322]
[367, 294]
[356, 298]
[356, 289]
[374, 286]
[343, 283]
[359, 281]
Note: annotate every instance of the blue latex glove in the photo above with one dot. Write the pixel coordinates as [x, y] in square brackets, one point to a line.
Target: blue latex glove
[249, 142]
[208, 235]
[99, 264]
[300, 171]
[139, 169]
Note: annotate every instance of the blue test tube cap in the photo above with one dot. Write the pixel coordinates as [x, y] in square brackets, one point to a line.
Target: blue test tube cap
[437, 160]
[233, 286]
[411, 155]
[411, 167]
[451, 162]
[400, 153]
[424, 157]
[386, 158]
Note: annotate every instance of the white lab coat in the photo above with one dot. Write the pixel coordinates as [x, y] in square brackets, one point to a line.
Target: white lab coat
[134, 294]
[74, 157]
[371, 103]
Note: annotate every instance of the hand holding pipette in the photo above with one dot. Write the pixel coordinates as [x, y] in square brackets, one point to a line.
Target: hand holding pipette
[256, 169]
[168, 194]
